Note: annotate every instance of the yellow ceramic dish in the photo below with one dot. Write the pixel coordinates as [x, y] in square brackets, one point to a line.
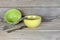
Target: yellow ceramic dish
[32, 21]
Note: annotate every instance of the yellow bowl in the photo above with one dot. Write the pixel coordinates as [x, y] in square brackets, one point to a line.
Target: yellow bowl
[32, 21]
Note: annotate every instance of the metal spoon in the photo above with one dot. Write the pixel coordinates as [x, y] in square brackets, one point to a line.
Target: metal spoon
[16, 27]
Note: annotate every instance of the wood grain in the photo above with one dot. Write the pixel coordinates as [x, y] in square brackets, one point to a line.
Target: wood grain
[29, 3]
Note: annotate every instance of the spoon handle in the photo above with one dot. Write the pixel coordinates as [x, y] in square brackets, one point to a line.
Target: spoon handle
[15, 28]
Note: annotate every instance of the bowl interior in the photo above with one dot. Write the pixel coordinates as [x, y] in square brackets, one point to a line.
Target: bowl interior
[12, 16]
[32, 17]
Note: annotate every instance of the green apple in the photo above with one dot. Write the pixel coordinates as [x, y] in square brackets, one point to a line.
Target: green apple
[32, 21]
[13, 16]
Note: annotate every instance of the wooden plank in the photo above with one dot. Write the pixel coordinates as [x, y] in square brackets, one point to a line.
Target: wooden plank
[30, 35]
[29, 3]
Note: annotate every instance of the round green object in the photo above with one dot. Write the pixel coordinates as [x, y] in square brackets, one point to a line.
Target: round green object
[13, 16]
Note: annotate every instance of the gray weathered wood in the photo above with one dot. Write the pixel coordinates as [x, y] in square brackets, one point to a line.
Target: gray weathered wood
[30, 35]
[29, 3]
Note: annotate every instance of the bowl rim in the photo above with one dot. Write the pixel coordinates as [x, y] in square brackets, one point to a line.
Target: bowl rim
[33, 16]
